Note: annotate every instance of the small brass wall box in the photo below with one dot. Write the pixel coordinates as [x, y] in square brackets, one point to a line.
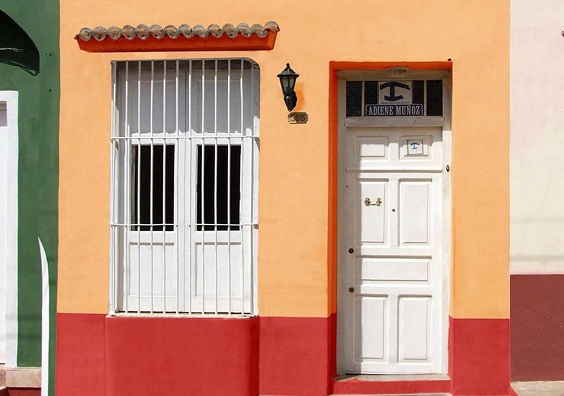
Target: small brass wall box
[297, 118]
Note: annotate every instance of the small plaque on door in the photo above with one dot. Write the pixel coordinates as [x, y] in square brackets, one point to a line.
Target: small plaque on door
[415, 147]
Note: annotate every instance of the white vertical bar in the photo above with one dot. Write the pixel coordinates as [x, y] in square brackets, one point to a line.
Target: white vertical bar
[191, 182]
[138, 187]
[176, 189]
[362, 88]
[113, 165]
[45, 303]
[252, 192]
[163, 209]
[215, 183]
[151, 221]
[229, 301]
[202, 159]
[255, 180]
[424, 97]
[446, 217]
[242, 218]
[126, 180]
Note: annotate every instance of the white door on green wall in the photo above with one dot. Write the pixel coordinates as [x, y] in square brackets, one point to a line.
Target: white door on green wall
[3, 231]
[392, 290]
[8, 226]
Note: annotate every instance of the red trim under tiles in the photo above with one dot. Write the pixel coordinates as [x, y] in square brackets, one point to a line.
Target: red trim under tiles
[211, 43]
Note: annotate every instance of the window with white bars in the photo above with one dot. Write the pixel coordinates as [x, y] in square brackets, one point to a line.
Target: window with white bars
[184, 152]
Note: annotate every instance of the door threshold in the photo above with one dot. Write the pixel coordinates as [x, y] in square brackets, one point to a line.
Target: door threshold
[393, 377]
[384, 384]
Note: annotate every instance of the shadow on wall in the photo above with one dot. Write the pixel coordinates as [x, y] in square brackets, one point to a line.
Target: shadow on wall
[16, 47]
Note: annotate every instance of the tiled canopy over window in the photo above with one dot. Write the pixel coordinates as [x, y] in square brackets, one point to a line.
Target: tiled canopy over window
[183, 38]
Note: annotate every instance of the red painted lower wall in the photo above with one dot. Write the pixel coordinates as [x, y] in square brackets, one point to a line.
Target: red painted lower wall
[81, 359]
[478, 364]
[116, 356]
[479, 356]
[181, 356]
[22, 392]
[537, 327]
[296, 357]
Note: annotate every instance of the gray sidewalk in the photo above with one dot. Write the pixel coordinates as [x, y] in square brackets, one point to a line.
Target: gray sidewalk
[533, 388]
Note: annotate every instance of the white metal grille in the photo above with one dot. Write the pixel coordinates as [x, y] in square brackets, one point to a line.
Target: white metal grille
[184, 152]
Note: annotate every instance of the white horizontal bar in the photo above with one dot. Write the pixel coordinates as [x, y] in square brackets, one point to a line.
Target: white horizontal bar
[385, 122]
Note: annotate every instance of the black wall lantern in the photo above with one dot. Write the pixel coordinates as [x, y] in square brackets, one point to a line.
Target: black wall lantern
[288, 82]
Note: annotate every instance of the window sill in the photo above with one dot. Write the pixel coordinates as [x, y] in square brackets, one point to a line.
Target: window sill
[160, 315]
[19, 377]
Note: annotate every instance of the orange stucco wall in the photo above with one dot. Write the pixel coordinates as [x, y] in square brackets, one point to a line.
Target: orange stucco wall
[294, 213]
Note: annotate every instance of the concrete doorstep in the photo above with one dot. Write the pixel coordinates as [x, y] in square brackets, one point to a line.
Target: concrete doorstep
[402, 394]
[27, 379]
[539, 388]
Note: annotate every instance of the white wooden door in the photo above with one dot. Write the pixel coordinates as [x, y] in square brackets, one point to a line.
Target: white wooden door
[391, 294]
[3, 230]
[8, 226]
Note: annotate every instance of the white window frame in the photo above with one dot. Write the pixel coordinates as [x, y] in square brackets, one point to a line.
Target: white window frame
[162, 102]
[9, 228]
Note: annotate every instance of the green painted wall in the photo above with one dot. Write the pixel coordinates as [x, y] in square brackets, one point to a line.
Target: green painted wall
[38, 171]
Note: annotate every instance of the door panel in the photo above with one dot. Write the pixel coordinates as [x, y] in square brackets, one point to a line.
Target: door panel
[415, 211]
[371, 148]
[372, 214]
[371, 313]
[391, 269]
[151, 275]
[414, 332]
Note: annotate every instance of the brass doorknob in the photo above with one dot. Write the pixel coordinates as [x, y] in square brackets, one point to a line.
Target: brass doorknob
[368, 202]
